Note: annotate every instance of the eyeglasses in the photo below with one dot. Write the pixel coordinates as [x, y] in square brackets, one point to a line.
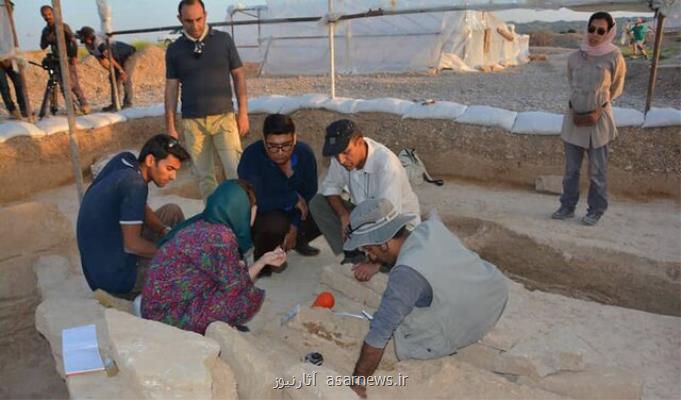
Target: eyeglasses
[284, 147]
[198, 49]
[600, 31]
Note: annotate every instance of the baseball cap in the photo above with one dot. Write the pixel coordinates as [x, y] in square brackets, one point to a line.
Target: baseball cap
[338, 135]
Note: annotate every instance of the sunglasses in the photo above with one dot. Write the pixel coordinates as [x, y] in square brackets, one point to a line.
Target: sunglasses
[171, 143]
[198, 49]
[600, 31]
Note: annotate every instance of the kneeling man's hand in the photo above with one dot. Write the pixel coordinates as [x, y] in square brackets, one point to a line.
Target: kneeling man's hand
[291, 239]
[364, 271]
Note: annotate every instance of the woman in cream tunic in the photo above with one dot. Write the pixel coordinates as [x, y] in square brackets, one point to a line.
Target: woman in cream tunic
[596, 75]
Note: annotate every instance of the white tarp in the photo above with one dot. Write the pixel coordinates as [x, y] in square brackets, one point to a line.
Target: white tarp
[398, 43]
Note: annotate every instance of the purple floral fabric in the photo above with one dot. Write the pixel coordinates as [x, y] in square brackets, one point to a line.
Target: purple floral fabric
[198, 277]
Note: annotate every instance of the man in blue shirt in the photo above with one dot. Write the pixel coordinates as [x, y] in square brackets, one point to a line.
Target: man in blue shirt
[115, 226]
[283, 172]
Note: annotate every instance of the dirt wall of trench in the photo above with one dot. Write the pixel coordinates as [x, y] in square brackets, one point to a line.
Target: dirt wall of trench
[29, 165]
[643, 162]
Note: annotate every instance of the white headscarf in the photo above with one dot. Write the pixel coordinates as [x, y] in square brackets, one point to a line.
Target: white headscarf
[606, 45]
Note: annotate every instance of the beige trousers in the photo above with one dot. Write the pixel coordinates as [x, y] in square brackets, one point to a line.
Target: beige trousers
[203, 137]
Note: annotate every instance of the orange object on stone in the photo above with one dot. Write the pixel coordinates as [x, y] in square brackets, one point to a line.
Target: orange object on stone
[324, 300]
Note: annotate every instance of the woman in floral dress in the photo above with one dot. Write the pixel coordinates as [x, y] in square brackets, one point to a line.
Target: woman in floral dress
[198, 275]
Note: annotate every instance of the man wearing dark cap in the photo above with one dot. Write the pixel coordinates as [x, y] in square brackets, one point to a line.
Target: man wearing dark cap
[122, 64]
[367, 170]
[440, 296]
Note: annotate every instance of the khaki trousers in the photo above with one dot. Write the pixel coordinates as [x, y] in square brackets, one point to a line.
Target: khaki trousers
[203, 137]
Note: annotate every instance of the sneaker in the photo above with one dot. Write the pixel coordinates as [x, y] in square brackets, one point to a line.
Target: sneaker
[126, 105]
[563, 213]
[354, 257]
[85, 109]
[304, 249]
[109, 108]
[591, 219]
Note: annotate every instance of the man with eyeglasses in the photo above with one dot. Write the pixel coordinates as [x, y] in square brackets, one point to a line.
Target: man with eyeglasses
[440, 296]
[283, 172]
[364, 169]
[116, 228]
[201, 61]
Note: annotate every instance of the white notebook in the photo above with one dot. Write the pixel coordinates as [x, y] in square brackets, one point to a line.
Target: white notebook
[80, 350]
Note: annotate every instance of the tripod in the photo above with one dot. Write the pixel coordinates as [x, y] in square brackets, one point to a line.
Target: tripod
[51, 94]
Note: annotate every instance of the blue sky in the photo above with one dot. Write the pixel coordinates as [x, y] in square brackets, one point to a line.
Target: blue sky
[132, 14]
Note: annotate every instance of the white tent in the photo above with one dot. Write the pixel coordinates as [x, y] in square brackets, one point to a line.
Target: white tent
[398, 43]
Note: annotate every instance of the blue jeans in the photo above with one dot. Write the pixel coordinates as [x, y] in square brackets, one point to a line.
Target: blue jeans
[598, 178]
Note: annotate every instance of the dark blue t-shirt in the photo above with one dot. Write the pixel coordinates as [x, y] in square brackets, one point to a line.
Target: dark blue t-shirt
[205, 78]
[117, 196]
[273, 189]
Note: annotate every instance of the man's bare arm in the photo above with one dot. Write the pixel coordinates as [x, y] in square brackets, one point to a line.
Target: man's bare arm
[134, 243]
[239, 77]
[170, 101]
[368, 361]
[152, 221]
[336, 203]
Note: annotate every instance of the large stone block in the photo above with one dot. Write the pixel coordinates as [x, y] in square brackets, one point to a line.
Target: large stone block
[560, 349]
[256, 362]
[593, 383]
[481, 356]
[99, 386]
[55, 278]
[57, 313]
[159, 360]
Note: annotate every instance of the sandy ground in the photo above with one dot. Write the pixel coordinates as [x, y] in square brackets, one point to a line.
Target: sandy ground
[539, 85]
[625, 338]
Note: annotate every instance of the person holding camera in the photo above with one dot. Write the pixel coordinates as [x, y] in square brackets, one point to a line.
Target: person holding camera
[596, 76]
[49, 38]
[122, 65]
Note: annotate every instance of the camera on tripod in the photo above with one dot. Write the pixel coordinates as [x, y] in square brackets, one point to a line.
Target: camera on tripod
[50, 64]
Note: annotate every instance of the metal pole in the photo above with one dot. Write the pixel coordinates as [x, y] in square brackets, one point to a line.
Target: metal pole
[68, 99]
[22, 75]
[112, 75]
[656, 58]
[332, 52]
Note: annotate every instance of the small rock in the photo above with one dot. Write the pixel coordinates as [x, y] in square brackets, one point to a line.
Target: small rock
[549, 184]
